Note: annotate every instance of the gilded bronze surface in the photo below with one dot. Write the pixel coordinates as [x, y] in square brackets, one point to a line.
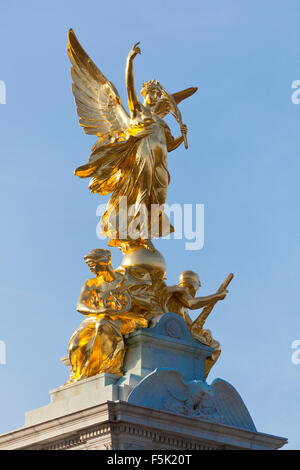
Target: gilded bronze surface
[116, 302]
[129, 160]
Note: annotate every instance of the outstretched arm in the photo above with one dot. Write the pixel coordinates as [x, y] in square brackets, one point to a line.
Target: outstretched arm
[193, 303]
[199, 302]
[133, 102]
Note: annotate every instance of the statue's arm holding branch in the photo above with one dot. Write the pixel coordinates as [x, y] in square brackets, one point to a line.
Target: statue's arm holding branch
[133, 102]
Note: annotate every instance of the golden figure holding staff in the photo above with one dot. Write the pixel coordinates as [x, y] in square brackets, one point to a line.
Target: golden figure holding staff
[129, 159]
[182, 297]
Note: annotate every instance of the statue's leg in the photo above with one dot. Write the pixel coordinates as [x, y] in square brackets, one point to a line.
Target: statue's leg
[97, 346]
[112, 347]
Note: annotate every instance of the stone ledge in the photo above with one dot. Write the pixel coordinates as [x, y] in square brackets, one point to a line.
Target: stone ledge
[123, 423]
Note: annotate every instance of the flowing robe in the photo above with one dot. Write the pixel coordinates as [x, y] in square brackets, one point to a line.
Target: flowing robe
[134, 169]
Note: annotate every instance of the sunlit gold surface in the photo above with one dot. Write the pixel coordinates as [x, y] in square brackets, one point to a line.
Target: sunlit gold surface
[180, 298]
[129, 160]
[109, 302]
[130, 157]
[116, 302]
[151, 260]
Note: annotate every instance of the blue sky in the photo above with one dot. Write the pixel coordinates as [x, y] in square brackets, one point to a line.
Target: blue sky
[242, 163]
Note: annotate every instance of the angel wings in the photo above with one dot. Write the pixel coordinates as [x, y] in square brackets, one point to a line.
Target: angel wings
[99, 105]
[129, 158]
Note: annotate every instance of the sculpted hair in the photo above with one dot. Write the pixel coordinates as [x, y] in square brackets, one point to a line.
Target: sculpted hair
[151, 85]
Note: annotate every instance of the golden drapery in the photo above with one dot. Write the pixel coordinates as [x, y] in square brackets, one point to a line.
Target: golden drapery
[97, 346]
[135, 171]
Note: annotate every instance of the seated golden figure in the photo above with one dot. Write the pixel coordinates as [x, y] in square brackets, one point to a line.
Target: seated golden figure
[109, 302]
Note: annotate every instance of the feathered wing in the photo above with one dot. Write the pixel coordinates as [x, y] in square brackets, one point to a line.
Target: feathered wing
[231, 406]
[164, 106]
[99, 106]
[182, 95]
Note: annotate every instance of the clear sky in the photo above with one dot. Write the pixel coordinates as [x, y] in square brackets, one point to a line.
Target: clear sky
[243, 165]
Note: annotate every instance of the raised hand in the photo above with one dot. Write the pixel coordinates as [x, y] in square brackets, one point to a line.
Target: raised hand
[221, 295]
[135, 50]
[183, 129]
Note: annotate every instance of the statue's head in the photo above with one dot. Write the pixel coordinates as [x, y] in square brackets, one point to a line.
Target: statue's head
[191, 280]
[99, 262]
[151, 92]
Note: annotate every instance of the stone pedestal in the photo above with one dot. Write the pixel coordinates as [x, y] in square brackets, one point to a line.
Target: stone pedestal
[161, 402]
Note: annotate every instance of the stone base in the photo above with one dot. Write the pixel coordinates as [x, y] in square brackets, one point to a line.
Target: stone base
[76, 396]
[161, 402]
[166, 343]
[122, 426]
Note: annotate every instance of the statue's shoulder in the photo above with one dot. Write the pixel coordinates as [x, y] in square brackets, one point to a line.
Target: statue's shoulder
[92, 283]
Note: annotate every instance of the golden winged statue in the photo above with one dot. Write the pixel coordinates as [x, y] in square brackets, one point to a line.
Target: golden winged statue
[129, 158]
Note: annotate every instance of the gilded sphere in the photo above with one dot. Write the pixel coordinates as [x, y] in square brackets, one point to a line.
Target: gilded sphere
[142, 257]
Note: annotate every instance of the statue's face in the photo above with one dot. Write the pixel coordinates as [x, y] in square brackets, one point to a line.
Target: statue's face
[95, 267]
[151, 98]
[193, 287]
[192, 284]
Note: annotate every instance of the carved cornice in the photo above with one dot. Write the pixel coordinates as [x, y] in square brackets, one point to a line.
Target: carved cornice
[147, 437]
